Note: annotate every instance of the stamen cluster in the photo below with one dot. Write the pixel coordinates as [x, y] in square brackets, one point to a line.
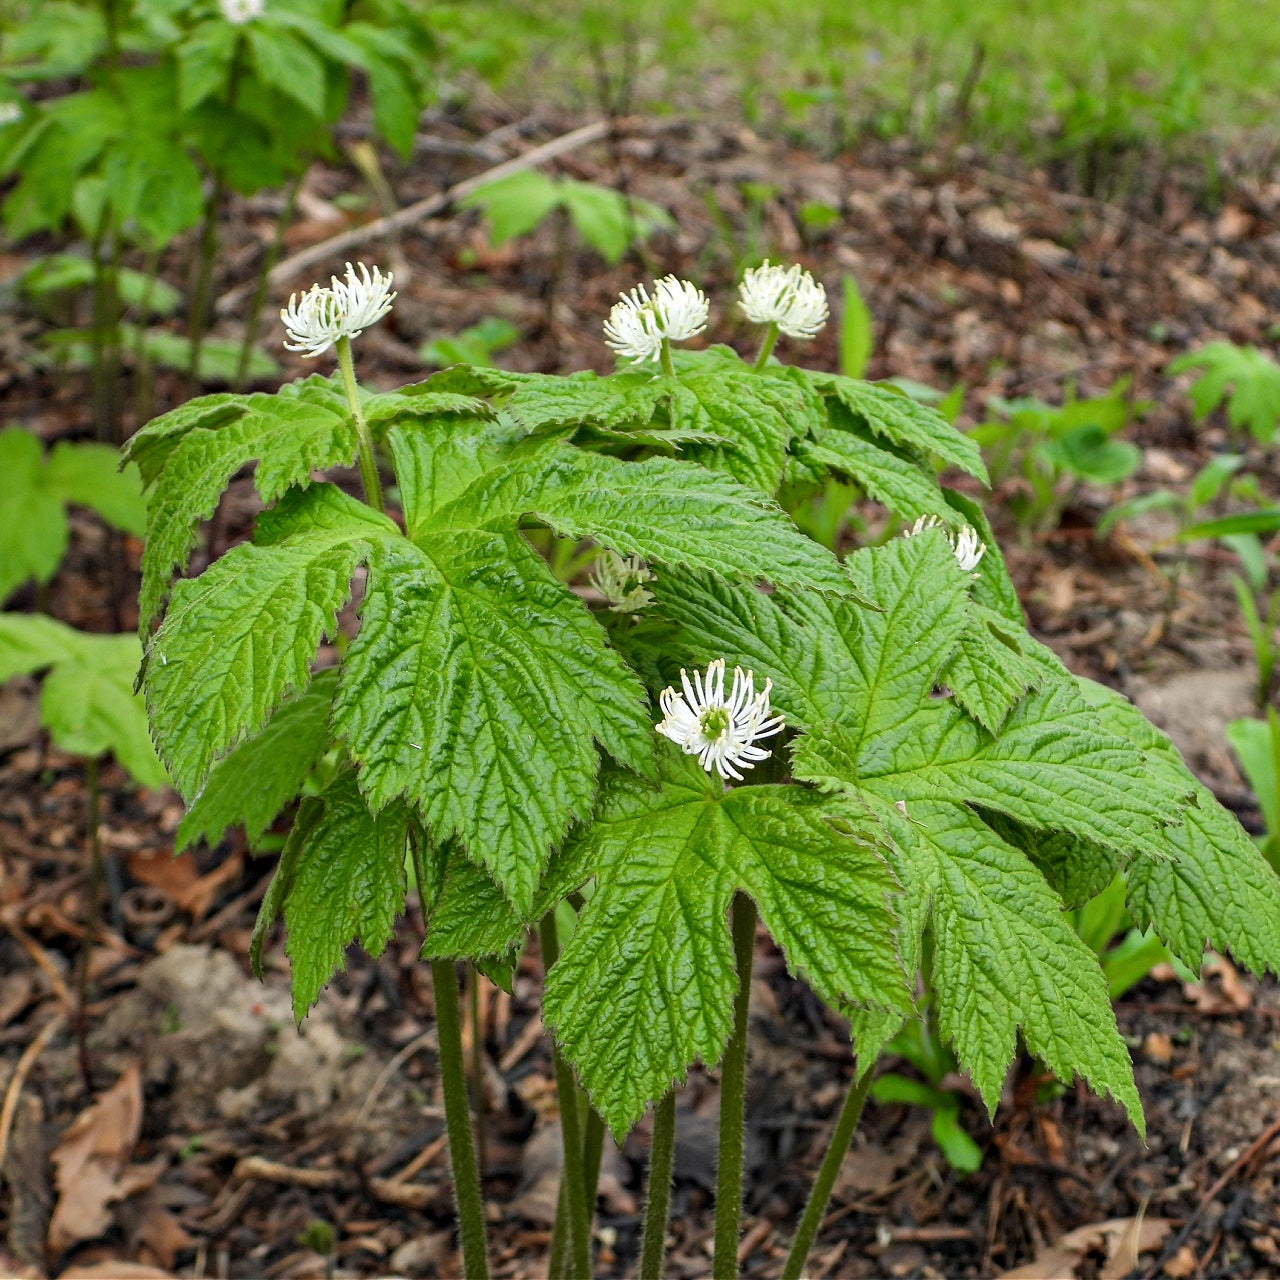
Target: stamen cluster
[720, 731]
[788, 297]
[620, 580]
[966, 545]
[317, 319]
[241, 11]
[639, 323]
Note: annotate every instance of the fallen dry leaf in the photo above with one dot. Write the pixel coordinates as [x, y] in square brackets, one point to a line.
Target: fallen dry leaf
[108, 1270]
[1184, 1263]
[1120, 1239]
[179, 879]
[92, 1160]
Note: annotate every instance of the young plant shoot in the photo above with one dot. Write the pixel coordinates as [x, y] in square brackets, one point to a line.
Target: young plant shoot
[894, 764]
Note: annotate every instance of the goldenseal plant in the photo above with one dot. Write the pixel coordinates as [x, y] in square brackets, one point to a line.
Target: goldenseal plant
[896, 762]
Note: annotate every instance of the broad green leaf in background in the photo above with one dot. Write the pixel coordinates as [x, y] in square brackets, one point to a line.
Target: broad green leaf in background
[855, 330]
[651, 960]
[1244, 377]
[36, 489]
[87, 700]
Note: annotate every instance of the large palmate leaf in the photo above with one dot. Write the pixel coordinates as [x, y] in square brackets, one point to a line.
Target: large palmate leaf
[243, 634]
[476, 686]
[834, 660]
[538, 400]
[1005, 957]
[287, 436]
[663, 510]
[651, 961]
[341, 878]
[886, 412]
[251, 784]
[87, 701]
[989, 671]
[1217, 890]
[758, 416]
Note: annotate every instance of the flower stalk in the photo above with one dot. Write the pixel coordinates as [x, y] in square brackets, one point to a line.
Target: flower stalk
[368, 464]
[662, 1153]
[733, 1089]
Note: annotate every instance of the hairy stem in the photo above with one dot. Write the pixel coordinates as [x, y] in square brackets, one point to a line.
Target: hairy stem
[816, 1206]
[573, 1201]
[733, 1082]
[592, 1150]
[766, 347]
[661, 1160]
[477, 1057]
[462, 1153]
[668, 364]
[368, 467]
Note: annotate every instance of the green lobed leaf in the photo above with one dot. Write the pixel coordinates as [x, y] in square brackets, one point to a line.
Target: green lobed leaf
[758, 415]
[661, 509]
[288, 437]
[893, 481]
[1005, 958]
[651, 959]
[988, 672]
[151, 446]
[89, 475]
[902, 421]
[243, 634]
[621, 400]
[343, 880]
[87, 701]
[476, 686]
[251, 784]
[33, 526]
[1217, 889]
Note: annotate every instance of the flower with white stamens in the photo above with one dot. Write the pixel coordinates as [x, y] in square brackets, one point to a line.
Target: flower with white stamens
[621, 581]
[10, 113]
[241, 11]
[317, 319]
[720, 731]
[638, 323]
[967, 546]
[786, 296]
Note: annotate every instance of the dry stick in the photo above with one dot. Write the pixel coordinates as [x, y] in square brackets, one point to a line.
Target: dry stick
[412, 213]
[20, 1073]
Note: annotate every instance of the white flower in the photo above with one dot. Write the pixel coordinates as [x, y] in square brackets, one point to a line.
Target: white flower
[317, 319]
[967, 546]
[10, 113]
[788, 297]
[240, 11]
[621, 582]
[638, 323]
[720, 731]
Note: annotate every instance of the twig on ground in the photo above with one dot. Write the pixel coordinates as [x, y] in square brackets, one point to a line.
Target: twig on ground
[406, 217]
[20, 1073]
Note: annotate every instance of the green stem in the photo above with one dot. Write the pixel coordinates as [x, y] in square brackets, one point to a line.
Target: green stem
[668, 364]
[733, 1086]
[766, 347]
[144, 378]
[368, 467]
[106, 334]
[574, 1200]
[592, 1151]
[260, 291]
[661, 1160]
[462, 1154]
[197, 317]
[477, 1058]
[816, 1206]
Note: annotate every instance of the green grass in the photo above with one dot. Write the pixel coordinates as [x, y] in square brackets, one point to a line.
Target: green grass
[1053, 79]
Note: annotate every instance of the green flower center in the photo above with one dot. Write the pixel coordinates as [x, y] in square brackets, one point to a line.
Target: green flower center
[714, 723]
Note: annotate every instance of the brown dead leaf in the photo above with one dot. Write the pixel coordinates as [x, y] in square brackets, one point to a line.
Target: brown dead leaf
[1184, 1263]
[179, 879]
[109, 1270]
[92, 1162]
[1120, 1239]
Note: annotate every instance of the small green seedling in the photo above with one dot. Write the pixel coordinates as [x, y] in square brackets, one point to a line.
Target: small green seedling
[1257, 747]
[87, 699]
[1210, 483]
[37, 489]
[1243, 378]
[476, 345]
[1055, 448]
[607, 220]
